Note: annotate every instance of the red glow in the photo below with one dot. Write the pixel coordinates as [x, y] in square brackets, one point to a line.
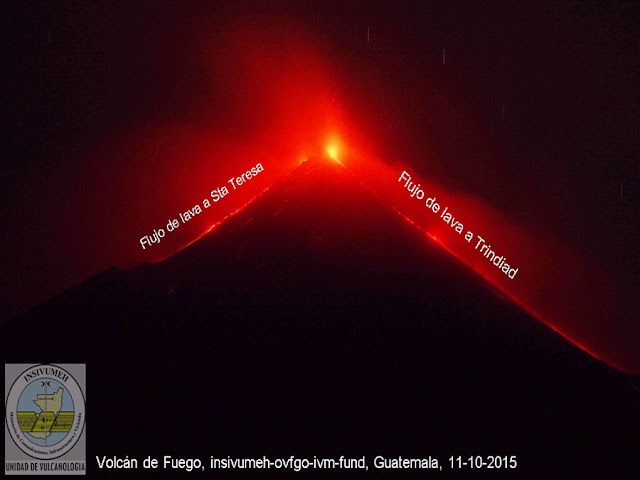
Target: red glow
[568, 292]
[219, 222]
[511, 298]
[276, 101]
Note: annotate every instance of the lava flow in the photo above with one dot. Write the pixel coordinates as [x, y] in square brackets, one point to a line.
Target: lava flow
[555, 283]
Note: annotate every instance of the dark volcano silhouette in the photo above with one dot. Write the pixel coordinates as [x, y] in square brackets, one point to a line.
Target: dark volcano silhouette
[317, 322]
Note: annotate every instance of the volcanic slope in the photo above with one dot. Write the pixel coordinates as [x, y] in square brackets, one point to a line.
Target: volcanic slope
[317, 321]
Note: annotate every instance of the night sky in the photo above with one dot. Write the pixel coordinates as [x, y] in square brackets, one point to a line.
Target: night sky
[116, 118]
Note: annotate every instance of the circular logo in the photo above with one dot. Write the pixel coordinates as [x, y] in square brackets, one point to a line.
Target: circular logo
[45, 412]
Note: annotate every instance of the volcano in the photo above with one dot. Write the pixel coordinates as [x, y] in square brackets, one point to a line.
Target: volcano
[317, 322]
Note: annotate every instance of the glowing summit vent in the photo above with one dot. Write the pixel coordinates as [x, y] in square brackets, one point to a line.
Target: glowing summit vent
[333, 150]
